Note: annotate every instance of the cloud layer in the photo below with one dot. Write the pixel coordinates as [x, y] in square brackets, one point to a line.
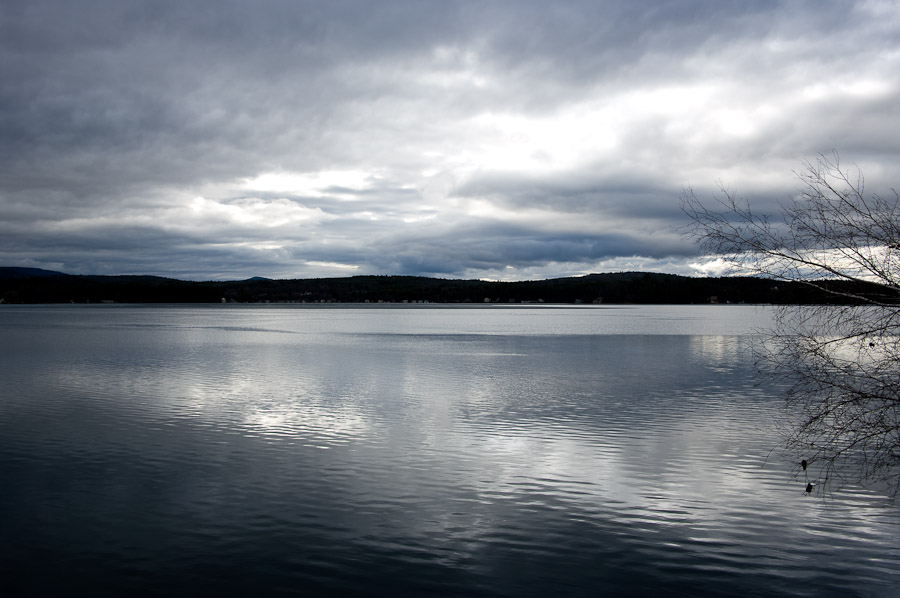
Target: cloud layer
[502, 140]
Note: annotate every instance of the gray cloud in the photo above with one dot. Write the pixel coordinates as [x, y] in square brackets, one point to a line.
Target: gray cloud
[497, 139]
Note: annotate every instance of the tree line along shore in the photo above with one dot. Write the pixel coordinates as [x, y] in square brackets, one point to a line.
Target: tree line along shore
[30, 285]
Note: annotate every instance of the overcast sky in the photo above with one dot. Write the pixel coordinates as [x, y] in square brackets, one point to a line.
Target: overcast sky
[500, 140]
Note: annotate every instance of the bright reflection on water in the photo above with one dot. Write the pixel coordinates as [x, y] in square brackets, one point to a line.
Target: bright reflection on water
[515, 451]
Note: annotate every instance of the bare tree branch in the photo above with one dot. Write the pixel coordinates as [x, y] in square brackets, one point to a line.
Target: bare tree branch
[840, 362]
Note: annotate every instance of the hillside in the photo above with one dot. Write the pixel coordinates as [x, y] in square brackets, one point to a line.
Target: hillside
[29, 285]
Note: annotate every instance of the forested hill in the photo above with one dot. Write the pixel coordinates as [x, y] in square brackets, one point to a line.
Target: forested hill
[30, 285]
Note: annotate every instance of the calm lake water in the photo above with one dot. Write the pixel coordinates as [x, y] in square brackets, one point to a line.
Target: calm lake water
[422, 450]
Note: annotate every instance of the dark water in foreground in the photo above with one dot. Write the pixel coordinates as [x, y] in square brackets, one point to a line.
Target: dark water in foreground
[421, 451]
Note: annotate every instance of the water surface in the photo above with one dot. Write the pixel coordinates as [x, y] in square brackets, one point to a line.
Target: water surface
[481, 451]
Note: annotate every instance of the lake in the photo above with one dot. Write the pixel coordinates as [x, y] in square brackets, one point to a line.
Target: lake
[408, 451]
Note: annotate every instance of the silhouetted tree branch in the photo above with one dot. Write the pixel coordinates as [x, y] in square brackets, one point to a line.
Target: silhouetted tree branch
[840, 363]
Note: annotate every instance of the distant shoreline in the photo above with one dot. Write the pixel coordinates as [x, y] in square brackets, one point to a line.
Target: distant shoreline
[35, 286]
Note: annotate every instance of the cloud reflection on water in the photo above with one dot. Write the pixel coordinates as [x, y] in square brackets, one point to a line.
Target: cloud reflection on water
[516, 458]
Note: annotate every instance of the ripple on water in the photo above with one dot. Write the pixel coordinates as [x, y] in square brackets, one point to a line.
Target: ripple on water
[224, 457]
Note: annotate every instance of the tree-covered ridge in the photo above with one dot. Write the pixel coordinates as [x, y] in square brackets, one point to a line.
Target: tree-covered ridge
[25, 285]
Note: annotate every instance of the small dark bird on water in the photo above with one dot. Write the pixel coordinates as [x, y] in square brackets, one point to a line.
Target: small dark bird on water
[809, 487]
[803, 464]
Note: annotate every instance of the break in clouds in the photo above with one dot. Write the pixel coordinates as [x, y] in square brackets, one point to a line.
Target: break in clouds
[506, 140]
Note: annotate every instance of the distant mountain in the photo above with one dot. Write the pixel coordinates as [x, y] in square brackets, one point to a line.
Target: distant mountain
[32, 285]
[28, 273]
